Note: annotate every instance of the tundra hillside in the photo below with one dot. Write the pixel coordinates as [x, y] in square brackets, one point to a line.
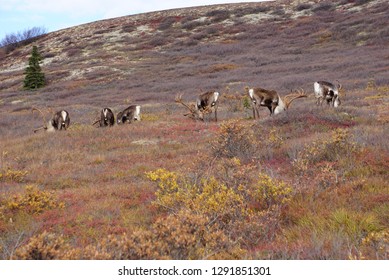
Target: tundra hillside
[308, 183]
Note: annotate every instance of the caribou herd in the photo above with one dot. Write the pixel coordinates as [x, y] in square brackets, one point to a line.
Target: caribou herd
[205, 104]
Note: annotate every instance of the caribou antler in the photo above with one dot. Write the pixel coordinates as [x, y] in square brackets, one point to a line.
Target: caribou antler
[191, 108]
[95, 122]
[290, 97]
[194, 114]
[40, 112]
[43, 118]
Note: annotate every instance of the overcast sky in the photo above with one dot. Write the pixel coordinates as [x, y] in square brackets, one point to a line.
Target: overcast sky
[19, 15]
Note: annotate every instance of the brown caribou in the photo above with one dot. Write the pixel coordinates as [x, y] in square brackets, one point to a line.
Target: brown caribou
[59, 121]
[272, 100]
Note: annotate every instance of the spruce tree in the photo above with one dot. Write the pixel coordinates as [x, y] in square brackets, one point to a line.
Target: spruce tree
[34, 77]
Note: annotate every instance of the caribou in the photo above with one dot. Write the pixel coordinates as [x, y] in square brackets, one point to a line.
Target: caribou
[272, 100]
[327, 91]
[107, 118]
[128, 115]
[208, 100]
[59, 121]
[204, 105]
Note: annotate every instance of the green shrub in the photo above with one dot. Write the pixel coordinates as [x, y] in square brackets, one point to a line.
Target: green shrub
[34, 77]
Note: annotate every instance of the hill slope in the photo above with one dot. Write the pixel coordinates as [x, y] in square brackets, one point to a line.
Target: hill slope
[271, 44]
[307, 184]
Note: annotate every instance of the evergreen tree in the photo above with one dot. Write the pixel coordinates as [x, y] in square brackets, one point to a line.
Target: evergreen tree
[34, 77]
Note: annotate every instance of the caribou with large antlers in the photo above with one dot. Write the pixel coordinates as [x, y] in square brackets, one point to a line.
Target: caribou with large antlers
[327, 91]
[272, 100]
[208, 100]
[204, 104]
[59, 121]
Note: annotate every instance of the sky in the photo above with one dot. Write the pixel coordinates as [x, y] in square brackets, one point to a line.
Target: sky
[19, 15]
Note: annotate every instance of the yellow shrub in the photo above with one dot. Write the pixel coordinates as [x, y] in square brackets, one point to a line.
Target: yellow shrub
[169, 193]
[210, 196]
[150, 117]
[214, 197]
[232, 209]
[10, 175]
[33, 201]
[270, 192]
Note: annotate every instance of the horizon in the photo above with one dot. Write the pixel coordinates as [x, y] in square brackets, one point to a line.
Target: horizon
[20, 15]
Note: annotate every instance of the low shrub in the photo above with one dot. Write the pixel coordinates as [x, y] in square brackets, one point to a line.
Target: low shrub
[128, 28]
[46, 246]
[323, 7]
[327, 162]
[167, 23]
[303, 6]
[218, 15]
[375, 246]
[33, 201]
[235, 140]
[185, 235]
[246, 214]
[269, 192]
[190, 25]
[334, 149]
[10, 175]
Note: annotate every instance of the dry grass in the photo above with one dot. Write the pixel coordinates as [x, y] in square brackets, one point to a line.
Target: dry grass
[313, 180]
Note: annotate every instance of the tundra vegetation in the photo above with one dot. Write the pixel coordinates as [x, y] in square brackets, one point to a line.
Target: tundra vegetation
[308, 183]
